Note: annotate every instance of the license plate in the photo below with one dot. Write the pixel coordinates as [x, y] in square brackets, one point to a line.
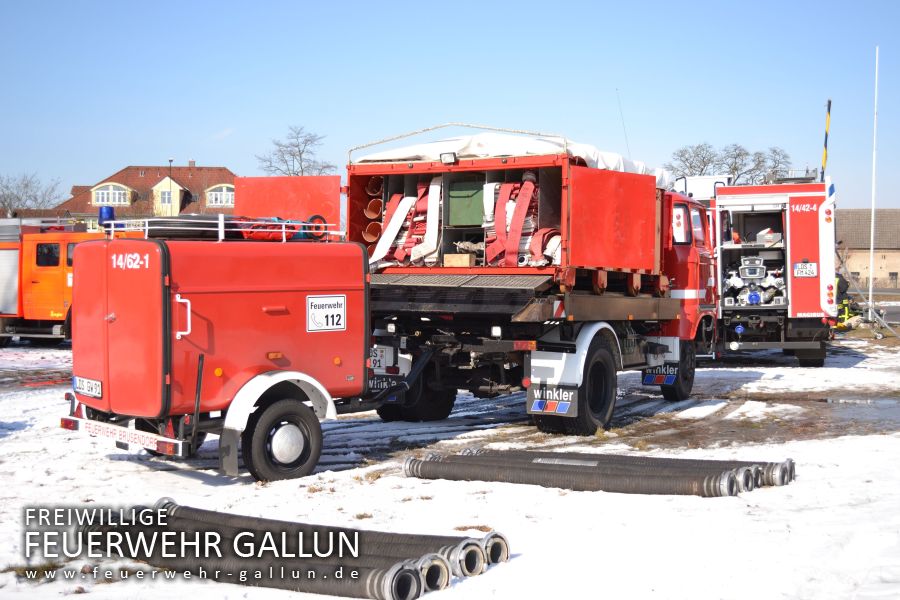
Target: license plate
[88, 387]
[125, 435]
[806, 270]
[381, 357]
[378, 383]
[662, 375]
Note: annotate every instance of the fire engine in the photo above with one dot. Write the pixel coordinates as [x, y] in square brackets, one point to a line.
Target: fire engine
[504, 262]
[774, 245]
[36, 277]
[219, 327]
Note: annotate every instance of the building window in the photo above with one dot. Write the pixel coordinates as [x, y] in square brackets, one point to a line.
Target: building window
[855, 275]
[892, 276]
[141, 173]
[47, 255]
[222, 195]
[165, 198]
[111, 195]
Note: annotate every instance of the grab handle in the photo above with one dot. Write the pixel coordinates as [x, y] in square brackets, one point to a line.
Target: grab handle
[187, 306]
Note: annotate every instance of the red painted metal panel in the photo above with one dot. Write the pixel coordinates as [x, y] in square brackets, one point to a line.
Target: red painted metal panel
[614, 221]
[296, 198]
[136, 322]
[88, 319]
[249, 306]
[803, 241]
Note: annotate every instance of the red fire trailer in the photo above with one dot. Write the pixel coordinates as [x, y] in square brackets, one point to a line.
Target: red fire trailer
[251, 340]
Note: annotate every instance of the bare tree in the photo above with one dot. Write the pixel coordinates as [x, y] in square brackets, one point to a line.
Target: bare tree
[26, 191]
[689, 161]
[295, 155]
[735, 160]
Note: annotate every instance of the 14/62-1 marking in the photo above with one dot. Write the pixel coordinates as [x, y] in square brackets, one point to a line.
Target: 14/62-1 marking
[130, 260]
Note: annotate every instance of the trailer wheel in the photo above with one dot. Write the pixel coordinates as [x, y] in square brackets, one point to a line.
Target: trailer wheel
[684, 383]
[430, 405]
[282, 441]
[597, 393]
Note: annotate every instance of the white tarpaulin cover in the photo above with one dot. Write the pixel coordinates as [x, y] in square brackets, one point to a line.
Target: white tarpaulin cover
[489, 145]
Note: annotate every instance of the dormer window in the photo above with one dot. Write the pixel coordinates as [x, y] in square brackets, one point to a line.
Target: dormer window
[222, 195]
[111, 195]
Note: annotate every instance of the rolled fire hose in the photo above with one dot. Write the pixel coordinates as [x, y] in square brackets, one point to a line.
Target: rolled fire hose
[432, 222]
[582, 480]
[401, 581]
[773, 473]
[373, 208]
[467, 556]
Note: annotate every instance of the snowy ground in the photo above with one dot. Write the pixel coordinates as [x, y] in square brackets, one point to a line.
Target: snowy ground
[833, 533]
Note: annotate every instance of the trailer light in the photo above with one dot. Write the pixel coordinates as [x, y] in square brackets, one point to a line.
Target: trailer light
[218, 371]
[392, 328]
[167, 448]
[337, 361]
[449, 158]
[392, 370]
[68, 423]
[496, 331]
[525, 345]
[274, 355]
[526, 382]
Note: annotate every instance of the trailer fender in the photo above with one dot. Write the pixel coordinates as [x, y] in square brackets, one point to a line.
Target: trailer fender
[563, 368]
[245, 400]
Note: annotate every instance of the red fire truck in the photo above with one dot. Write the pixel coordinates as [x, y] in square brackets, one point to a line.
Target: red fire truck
[503, 263]
[36, 277]
[240, 335]
[775, 245]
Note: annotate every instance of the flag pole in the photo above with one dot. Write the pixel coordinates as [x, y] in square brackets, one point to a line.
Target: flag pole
[872, 219]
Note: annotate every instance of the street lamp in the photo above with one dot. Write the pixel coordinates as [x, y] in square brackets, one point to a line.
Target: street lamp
[170, 185]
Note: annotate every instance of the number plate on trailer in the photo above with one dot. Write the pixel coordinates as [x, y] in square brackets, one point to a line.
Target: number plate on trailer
[381, 357]
[558, 400]
[88, 387]
[806, 270]
[662, 375]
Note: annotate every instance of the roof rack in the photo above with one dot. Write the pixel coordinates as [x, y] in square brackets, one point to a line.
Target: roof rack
[222, 227]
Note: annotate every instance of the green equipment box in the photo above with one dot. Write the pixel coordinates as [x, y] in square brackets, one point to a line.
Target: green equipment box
[465, 203]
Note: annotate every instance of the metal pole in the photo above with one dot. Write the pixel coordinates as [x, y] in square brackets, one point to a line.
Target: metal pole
[170, 186]
[872, 220]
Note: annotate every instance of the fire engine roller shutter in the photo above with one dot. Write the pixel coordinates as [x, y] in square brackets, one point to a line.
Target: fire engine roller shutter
[498, 294]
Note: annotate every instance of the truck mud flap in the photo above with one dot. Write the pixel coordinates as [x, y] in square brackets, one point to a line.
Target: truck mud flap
[559, 400]
[666, 374]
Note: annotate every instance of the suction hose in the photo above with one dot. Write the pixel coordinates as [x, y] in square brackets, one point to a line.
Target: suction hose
[723, 484]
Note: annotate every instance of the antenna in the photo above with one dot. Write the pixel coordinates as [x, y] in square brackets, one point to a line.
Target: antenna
[622, 116]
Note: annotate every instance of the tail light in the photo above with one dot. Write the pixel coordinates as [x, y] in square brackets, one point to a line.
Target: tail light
[526, 382]
[68, 423]
[167, 448]
[525, 345]
[392, 370]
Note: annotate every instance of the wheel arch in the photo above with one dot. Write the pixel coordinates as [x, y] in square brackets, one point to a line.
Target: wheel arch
[568, 368]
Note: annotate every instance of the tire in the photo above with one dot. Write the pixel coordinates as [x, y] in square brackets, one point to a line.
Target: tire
[389, 412]
[430, 405]
[684, 383]
[142, 425]
[597, 392]
[282, 441]
[550, 424]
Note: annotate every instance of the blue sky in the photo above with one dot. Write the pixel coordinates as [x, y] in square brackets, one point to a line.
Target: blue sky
[90, 87]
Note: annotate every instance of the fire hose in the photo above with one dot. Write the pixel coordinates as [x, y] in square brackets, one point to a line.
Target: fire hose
[765, 473]
[573, 478]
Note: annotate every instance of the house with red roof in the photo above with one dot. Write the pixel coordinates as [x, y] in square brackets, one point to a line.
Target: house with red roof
[154, 191]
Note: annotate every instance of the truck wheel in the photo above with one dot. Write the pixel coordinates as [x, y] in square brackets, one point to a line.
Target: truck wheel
[549, 424]
[684, 383]
[430, 406]
[389, 412]
[597, 393]
[282, 441]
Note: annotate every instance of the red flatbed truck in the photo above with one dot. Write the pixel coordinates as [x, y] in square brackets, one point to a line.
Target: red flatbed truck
[584, 277]
[250, 340]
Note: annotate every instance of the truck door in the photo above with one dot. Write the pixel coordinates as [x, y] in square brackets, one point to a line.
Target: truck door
[43, 278]
[120, 327]
[700, 231]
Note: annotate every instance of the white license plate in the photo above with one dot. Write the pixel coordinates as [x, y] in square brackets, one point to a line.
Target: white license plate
[88, 387]
[381, 357]
[126, 435]
[806, 270]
